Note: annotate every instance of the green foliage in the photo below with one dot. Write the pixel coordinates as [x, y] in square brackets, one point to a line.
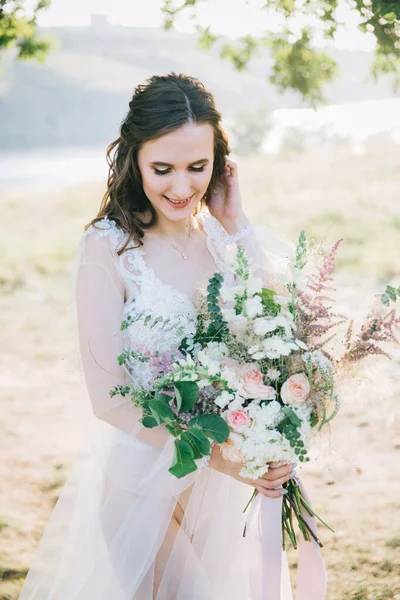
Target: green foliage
[198, 441]
[18, 29]
[296, 63]
[161, 411]
[183, 462]
[268, 302]
[217, 328]
[301, 250]
[186, 395]
[390, 295]
[213, 426]
[289, 428]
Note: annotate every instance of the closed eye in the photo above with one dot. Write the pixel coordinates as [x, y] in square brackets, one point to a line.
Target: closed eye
[165, 171]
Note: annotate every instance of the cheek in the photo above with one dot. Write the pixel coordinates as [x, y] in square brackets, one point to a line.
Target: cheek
[154, 183]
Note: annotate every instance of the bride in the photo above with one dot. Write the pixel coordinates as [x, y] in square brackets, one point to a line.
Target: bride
[124, 528]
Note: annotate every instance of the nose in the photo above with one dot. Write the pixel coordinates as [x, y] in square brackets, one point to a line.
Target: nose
[181, 188]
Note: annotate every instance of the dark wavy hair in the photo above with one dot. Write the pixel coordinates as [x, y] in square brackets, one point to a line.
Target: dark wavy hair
[162, 104]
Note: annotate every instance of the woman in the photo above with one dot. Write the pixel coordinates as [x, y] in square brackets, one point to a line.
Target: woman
[124, 528]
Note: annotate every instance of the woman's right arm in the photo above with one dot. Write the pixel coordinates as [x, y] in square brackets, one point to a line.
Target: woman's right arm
[274, 478]
[99, 294]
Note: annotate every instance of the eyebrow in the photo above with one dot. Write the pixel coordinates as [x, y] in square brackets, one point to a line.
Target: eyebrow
[164, 164]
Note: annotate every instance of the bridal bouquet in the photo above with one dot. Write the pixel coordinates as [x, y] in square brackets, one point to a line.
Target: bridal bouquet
[256, 376]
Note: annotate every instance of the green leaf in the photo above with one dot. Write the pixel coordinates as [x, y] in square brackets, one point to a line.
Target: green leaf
[150, 422]
[198, 440]
[213, 426]
[161, 411]
[391, 292]
[186, 395]
[174, 429]
[183, 462]
[290, 414]
[267, 298]
[162, 397]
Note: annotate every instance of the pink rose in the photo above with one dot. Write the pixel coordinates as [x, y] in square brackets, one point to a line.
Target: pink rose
[230, 452]
[238, 420]
[295, 390]
[229, 363]
[252, 385]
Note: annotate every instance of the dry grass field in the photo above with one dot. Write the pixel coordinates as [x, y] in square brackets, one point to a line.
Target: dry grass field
[354, 475]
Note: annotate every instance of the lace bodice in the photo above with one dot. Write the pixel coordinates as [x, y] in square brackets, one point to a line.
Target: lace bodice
[159, 314]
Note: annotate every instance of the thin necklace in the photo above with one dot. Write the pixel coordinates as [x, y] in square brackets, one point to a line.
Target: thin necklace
[184, 256]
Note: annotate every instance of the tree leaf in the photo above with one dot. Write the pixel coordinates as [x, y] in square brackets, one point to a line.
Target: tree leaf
[213, 426]
[183, 462]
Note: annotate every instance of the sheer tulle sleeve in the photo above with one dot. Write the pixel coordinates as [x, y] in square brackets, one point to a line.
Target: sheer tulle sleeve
[268, 250]
[99, 297]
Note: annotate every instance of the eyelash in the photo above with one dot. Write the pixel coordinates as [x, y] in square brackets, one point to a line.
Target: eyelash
[194, 169]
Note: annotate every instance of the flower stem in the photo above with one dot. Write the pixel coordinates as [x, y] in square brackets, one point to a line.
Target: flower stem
[251, 499]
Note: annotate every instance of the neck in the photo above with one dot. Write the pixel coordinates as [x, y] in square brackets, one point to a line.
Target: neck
[175, 229]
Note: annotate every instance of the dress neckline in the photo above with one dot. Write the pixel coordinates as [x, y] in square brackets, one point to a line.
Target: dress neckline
[176, 291]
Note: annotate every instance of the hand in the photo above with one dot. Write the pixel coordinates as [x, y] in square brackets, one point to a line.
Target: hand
[224, 202]
[276, 476]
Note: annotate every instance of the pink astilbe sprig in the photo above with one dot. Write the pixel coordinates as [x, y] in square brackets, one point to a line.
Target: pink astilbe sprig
[314, 307]
[320, 278]
[379, 327]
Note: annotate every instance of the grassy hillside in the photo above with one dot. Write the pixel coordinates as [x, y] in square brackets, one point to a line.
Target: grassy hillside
[353, 483]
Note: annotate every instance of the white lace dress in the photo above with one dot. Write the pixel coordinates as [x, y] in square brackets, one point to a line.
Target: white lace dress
[103, 536]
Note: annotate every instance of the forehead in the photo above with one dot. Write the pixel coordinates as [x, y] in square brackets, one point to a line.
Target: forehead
[188, 143]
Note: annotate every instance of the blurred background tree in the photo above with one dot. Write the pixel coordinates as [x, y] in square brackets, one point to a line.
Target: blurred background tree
[297, 63]
[18, 30]
[249, 128]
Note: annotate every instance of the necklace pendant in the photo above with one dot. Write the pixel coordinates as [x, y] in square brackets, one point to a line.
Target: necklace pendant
[184, 256]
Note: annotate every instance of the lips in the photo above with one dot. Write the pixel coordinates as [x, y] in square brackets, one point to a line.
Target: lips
[179, 204]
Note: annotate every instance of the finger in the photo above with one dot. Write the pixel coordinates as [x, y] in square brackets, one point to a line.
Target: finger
[269, 493]
[279, 463]
[269, 484]
[278, 472]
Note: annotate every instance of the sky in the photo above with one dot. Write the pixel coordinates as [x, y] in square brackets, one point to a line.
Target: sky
[226, 17]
